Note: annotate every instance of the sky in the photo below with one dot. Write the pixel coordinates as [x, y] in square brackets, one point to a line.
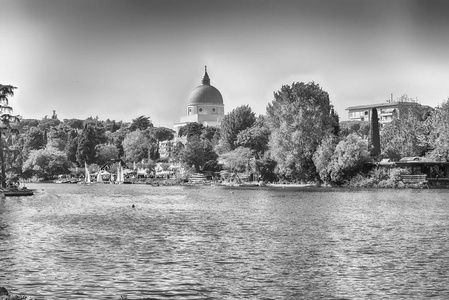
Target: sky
[121, 59]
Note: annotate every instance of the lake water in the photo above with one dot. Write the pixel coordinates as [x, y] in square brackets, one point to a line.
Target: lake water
[74, 242]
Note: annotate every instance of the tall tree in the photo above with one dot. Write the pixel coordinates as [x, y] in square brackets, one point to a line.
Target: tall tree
[136, 146]
[191, 130]
[105, 153]
[407, 135]
[141, 123]
[5, 92]
[374, 141]
[161, 133]
[90, 137]
[198, 153]
[234, 122]
[255, 137]
[299, 117]
[439, 133]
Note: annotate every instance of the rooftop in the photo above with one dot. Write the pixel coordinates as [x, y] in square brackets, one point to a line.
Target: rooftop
[378, 105]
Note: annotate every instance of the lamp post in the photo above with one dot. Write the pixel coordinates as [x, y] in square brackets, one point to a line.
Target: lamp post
[6, 118]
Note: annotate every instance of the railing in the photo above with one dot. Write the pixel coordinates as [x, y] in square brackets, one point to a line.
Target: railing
[414, 178]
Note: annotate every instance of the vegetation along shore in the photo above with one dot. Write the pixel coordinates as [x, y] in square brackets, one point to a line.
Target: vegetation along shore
[299, 139]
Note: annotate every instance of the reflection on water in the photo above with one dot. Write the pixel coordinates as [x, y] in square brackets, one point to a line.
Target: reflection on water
[72, 242]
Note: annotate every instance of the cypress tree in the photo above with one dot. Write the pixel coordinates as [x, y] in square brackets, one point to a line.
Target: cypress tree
[374, 134]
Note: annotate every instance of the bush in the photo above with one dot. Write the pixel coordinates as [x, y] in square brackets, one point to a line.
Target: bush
[379, 178]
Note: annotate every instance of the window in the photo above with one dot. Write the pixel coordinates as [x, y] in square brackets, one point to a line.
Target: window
[213, 110]
[355, 114]
[190, 111]
[200, 109]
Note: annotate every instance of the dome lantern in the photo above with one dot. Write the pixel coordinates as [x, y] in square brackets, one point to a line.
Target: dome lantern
[206, 79]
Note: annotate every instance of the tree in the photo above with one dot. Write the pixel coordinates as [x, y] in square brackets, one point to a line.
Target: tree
[161, 133]
[323, 155]
[74, 123]
[406, 136]
[234, 122]
[211, 134]
[46, 123]
[374, 141]
[348, 159]
[299, 118]
[237, 160]
[198, 153]
[105, 153]
[439, 133]
[255, 138]
[191, 130]
[5, 92]
[46, 163]
[33, 139]
[140, 123]
[136, 146]
[90, 137]
[177, 151]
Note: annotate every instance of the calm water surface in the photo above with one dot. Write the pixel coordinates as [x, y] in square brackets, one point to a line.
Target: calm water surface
[74, 242]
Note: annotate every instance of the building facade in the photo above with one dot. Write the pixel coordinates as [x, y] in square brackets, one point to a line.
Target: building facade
[385, 111]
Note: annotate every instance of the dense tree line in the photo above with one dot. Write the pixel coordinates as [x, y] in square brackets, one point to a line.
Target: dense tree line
[299, 139]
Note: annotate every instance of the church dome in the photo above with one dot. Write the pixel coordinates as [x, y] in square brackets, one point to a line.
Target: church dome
[205, 93]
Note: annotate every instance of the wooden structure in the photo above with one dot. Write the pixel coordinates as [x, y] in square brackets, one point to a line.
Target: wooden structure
[432, 173]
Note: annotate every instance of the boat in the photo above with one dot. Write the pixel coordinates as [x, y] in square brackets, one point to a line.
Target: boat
[120, 175]
[17, 192]
[87, 175]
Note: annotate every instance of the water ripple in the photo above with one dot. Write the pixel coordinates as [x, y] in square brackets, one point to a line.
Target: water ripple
[75, 242]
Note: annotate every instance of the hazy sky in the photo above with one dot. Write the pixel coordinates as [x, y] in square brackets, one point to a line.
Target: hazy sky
[123, 59]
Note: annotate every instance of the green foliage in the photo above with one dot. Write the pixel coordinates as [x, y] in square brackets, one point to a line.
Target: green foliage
[90, 137]
[212, 134]
[439, 133]
[46, 123]
[46, 163]
[266, 168]
[348, 159]
[136, 146]
[161, 133]
[34, 139]
[237, 160]
[105, 153]
[379, 178]
[74, 123]
[198, 153]
[26, 124]
[116, 138]
[191, 130]
[6, 91]
[374, 141]
[140, 123]
[323, 156]
[361, 128]
[299, 118]
[407, 135]
[232, 124]
[255, 138]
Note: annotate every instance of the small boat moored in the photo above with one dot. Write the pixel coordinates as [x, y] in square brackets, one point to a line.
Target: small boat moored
[17, 192]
